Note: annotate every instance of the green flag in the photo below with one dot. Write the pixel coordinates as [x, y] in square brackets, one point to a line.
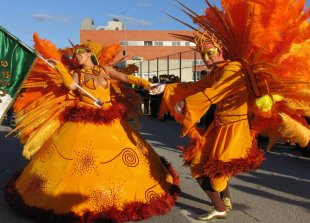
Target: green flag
[16, 60]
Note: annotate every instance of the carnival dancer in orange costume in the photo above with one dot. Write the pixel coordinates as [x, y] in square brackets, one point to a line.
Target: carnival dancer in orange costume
[87, 163]
[262, 85]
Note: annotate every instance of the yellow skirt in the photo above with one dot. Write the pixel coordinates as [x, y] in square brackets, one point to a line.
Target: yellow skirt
[87, 172]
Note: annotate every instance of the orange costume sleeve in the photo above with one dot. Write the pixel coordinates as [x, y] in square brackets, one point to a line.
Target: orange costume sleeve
[199, 96]
[179, 91]
[224, 82]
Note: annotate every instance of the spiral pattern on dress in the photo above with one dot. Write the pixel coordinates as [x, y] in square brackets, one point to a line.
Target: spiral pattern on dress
[130, 157]
[151, 195]
[47, 153]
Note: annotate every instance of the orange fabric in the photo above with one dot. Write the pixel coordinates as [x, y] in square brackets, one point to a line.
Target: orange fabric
[219, 183]
[227, 140]
[224, 83]
[138, 81]
[230, 136]
[89, 167]
[99, 92]
[179, 91]
[196, 107]
[66, 77]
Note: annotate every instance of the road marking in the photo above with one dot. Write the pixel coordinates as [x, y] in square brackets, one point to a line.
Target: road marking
[283, 175]
[289, 155]
[190, 216]
[5, 128]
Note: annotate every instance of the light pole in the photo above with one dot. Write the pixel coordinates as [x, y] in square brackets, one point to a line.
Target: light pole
[125, 30]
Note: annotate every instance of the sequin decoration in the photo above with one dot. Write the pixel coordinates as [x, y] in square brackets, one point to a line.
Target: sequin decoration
[47, 153]
[151, 195]
[107, 196]
[129, 156]
[37, 187]
[85, 161]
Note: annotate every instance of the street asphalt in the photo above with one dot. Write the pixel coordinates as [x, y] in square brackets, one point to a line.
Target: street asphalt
[278, 192]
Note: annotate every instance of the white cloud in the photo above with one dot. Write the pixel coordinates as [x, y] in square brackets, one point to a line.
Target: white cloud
[131, 21]
[144, 3]
[47, 17]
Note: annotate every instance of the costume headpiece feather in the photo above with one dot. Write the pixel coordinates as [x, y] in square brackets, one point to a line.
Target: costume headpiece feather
[270, 38]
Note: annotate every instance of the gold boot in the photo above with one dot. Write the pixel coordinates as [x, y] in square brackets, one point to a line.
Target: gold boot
[227, 203]
[212, 214]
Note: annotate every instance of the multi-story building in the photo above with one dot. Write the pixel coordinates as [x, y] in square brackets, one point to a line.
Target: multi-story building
[155, 52]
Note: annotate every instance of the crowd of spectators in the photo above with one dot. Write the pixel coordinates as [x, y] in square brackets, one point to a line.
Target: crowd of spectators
[151, 106]
[151, 103]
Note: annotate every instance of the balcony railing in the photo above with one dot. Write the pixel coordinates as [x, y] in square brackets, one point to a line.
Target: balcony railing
[184, 65]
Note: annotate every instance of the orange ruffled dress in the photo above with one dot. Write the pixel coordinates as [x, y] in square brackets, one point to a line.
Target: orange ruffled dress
[226, 148]
[95, 168]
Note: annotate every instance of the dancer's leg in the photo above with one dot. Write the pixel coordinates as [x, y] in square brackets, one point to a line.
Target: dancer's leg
[204, 183]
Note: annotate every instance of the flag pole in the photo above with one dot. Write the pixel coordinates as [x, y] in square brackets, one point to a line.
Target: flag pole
[97, 101]
[18, 40]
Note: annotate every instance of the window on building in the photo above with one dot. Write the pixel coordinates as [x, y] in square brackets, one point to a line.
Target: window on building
[124, 43]
[158, 43]
[148, 43]
[176, 43]
[198, 62]
[196, 75]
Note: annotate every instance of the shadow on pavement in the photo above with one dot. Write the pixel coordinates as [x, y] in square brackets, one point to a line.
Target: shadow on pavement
[163, 135]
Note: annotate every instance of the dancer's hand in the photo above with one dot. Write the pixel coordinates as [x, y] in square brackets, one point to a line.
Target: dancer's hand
[179, 107]
[156, 88]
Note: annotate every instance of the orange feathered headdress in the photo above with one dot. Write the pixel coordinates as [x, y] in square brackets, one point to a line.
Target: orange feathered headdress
[102, 54]
[247, 27]
[270, 38]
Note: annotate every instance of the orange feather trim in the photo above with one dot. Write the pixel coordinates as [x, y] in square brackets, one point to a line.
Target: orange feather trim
[218, 168]
[83, 114]
[197, 140]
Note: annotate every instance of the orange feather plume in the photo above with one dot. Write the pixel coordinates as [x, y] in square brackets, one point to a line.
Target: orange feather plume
[270, 38]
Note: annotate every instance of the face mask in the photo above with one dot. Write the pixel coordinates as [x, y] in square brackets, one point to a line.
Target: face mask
[210, 53]
[79, 51]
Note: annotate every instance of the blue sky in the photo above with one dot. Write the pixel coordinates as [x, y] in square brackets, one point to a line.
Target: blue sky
[58, 20]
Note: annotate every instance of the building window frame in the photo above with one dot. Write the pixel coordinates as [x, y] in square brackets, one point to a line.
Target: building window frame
[148, 43]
